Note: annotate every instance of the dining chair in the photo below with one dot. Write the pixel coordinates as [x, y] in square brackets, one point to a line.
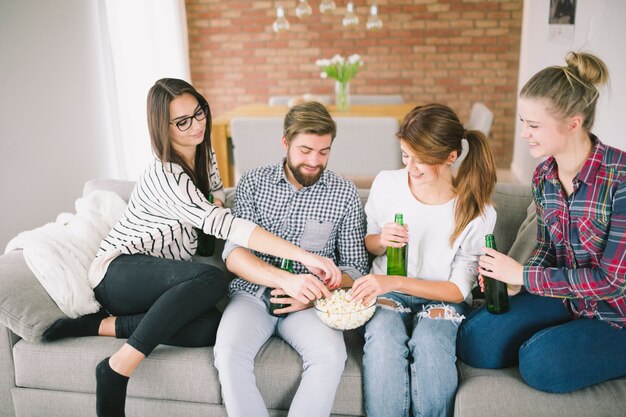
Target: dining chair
[256, 142]
[363, 147]
[481, 118]
[359, 99]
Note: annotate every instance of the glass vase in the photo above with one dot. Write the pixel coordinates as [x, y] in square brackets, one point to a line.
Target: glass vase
[342, 95]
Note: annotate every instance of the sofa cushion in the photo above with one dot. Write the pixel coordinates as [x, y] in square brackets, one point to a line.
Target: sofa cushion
[169, 373]
[510, 201]
[179, 374]
[526, 237]
[25, 306]
[502, 392]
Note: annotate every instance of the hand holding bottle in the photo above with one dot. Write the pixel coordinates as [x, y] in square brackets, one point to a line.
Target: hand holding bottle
[500, 267]
[394, 235]
[289, 304]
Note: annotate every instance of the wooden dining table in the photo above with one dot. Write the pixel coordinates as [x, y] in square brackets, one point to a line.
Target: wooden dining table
[220, 133]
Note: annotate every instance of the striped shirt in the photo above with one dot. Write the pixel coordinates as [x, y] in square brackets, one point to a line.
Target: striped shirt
[160, 218]
[326, 219]
[581, 249]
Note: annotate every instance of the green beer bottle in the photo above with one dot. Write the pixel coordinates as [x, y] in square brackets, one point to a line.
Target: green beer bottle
[396, 257]
[206, 243]
[496, 295]
[285, 265]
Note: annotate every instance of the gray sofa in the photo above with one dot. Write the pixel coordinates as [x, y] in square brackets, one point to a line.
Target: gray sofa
[57, 379]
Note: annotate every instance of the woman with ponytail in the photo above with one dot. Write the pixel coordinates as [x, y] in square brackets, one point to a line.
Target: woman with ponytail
[565, 328]
[409, 362]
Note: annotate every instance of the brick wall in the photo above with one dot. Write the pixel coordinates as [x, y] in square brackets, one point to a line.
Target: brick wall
[454, 52]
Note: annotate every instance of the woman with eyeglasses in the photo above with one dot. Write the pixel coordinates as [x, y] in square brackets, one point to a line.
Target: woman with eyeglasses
[141, 275]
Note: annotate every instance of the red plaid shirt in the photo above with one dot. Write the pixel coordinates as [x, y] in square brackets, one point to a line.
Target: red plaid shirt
[581, 240]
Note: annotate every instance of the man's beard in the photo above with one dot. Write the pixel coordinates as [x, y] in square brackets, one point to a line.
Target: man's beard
[304, 179]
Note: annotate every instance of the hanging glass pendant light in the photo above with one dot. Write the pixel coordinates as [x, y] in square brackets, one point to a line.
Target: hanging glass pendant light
[280, 24]
[327, 6]
[304, 9]
[374, 22]
[350, 20]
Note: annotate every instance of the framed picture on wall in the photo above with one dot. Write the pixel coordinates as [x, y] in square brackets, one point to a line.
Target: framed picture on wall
[562, 19]
[562, 12]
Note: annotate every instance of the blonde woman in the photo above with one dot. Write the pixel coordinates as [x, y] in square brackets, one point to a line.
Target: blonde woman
[566, 329]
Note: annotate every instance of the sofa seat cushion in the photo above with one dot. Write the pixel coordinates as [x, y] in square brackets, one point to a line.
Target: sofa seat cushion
[179, 374]
[169, 373]
[503, 392]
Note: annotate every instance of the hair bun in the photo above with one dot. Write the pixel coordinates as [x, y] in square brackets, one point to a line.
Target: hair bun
[589, 68]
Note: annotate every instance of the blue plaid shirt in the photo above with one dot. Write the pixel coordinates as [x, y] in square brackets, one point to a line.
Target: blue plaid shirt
[581, 249]
[326, 219]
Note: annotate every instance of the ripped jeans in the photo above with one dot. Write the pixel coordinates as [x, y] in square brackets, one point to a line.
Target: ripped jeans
[409, 362]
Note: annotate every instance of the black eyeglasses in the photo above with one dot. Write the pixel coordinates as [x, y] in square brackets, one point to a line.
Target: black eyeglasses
[186, 122]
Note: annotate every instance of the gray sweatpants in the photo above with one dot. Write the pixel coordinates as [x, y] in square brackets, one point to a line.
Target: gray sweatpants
[245, 327]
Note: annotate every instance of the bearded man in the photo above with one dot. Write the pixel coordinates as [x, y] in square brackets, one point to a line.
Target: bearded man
[302, 202]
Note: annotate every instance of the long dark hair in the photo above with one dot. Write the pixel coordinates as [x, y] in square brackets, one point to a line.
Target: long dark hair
[433, 131]
[159, 98]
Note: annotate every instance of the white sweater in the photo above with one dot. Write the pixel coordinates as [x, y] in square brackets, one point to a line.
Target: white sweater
[160, 218]
[430, 256]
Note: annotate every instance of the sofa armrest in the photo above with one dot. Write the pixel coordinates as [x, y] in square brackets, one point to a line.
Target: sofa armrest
[25, 307]
[7, 371]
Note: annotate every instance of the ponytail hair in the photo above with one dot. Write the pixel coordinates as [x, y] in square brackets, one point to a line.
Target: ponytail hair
[475, 181]
[572, 89]
[433, 131]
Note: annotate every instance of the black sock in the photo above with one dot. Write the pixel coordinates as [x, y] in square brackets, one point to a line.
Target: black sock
[110, 391]
[82, 326]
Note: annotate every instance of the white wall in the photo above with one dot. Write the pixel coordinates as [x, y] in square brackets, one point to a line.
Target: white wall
[55, 130]
[600, 29]
[74, 76]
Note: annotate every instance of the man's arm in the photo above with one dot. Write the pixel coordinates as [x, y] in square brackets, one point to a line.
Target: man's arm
[247, 265]
[302, 287]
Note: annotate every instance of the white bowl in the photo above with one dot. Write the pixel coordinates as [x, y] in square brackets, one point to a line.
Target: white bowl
[340, 314]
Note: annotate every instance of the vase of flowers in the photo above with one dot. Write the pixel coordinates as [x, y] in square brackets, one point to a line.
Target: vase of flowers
[341, 70]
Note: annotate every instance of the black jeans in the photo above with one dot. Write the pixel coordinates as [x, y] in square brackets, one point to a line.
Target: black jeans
[164, 301]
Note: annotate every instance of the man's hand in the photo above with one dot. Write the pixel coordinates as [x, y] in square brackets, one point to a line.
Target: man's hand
[323, 267]
[304, 288]
[293, 304]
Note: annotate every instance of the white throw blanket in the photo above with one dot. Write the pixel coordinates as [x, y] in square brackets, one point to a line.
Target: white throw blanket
[60, 253]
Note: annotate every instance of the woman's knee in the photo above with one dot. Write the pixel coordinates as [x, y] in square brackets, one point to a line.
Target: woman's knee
[213, 277]
[544, 363]
[476, 343]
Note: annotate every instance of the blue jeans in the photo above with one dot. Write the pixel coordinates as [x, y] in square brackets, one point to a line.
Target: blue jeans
[555, 353]
[409, 360]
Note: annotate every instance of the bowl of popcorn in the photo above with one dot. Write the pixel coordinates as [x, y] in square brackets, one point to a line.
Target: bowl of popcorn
[338, 312]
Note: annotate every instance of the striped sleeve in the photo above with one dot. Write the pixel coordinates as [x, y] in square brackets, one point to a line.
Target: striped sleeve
[178, 196]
